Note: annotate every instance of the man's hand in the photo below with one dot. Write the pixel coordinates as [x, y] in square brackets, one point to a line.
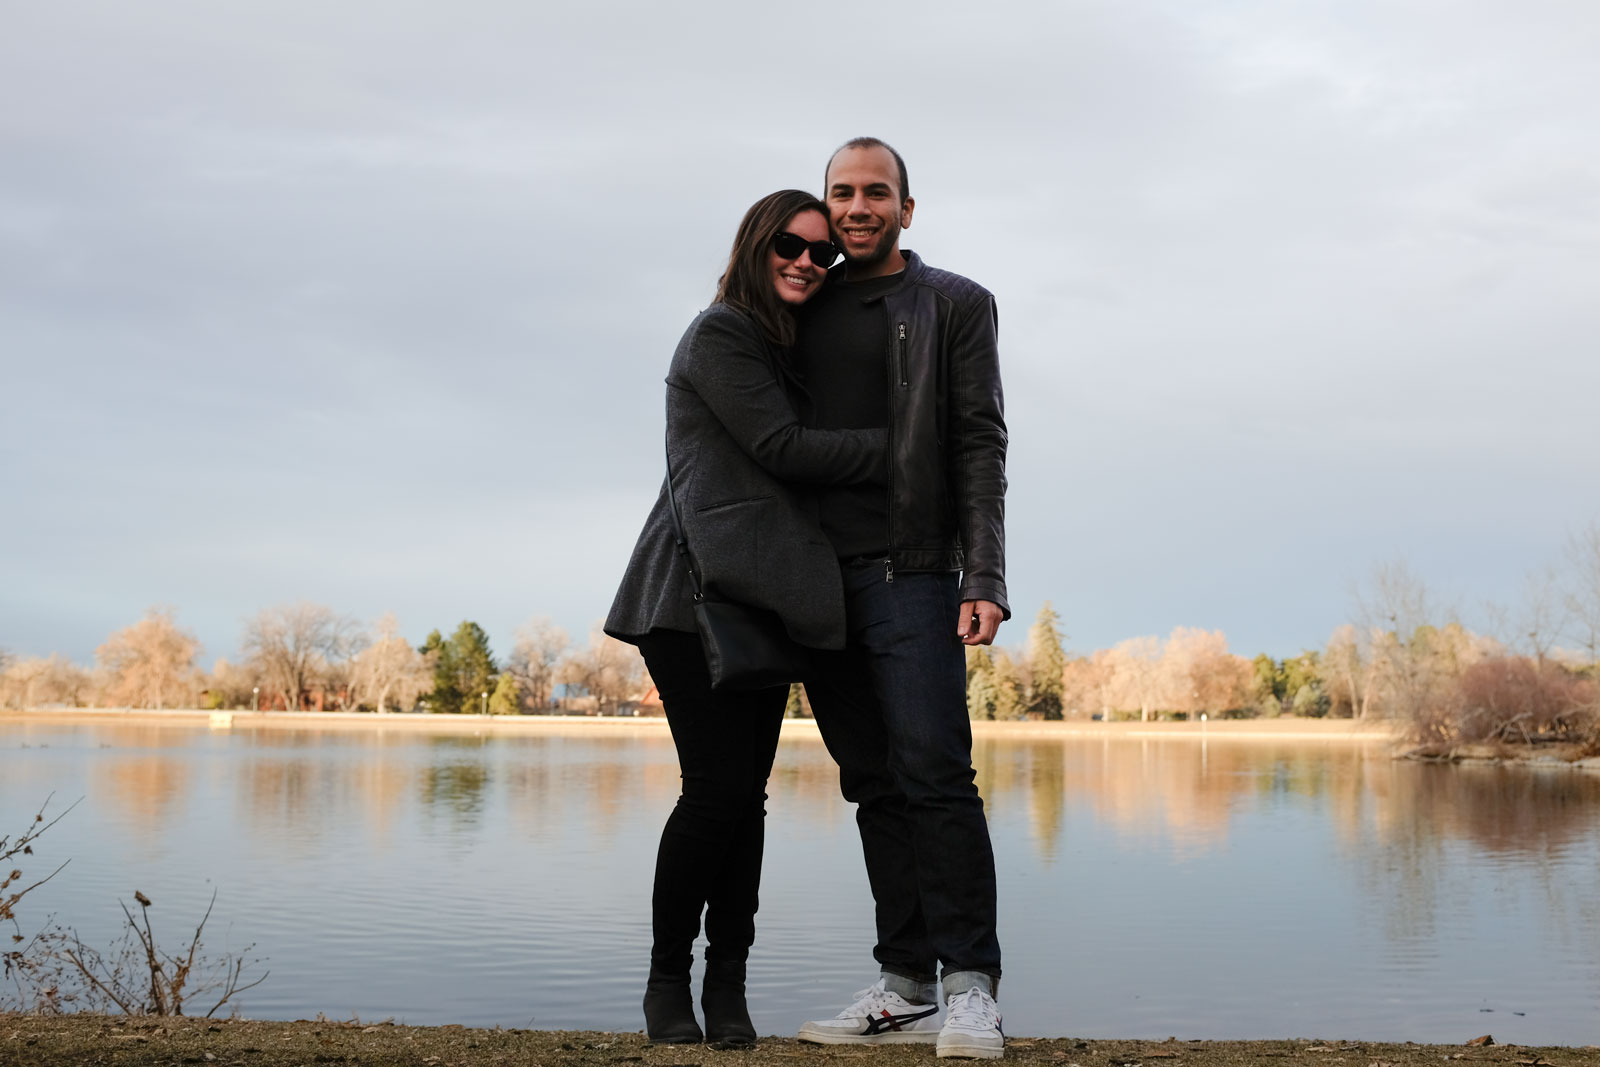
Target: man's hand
[979, 621]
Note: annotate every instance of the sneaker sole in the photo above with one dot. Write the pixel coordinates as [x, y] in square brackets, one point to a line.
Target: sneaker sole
[888, 1037]
[969, 1051]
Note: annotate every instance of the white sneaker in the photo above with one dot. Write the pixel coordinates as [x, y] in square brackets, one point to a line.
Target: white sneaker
[878, 1017]
[972, 1028]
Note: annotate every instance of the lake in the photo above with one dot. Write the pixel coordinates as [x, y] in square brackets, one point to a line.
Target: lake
[1201, 887]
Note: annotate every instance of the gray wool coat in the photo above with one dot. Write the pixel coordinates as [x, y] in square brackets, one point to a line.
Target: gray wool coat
[739, 463]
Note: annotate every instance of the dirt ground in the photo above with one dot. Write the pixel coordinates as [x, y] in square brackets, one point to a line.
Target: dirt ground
[45, 1041]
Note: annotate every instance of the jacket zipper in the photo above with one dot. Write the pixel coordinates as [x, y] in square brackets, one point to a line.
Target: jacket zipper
[900, 364]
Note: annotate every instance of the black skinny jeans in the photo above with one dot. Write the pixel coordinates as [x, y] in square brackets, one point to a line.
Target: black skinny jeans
[710, 855]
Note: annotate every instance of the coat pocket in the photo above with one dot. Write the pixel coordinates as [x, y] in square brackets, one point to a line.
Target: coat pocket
[725, 538]
[723, 505]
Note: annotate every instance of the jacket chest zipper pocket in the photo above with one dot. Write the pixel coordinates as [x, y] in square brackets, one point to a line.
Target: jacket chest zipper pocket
[900, 349]
[724, 505]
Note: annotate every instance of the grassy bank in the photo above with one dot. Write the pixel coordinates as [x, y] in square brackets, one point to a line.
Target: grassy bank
[44, 1041]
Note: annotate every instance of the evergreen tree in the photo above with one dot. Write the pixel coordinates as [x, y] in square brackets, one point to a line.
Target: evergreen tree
[980, 683]
[506, 698]
[993, 691]
[1303, 686]
[1266, 684]
[463, 669]
[1298, 673]
[473, 664]
[1047, 665]
[1010, 703]
[446, 697]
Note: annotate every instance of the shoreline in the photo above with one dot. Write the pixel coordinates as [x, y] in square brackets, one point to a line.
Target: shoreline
[133, 1041]
[1342, 730]
[803, 731]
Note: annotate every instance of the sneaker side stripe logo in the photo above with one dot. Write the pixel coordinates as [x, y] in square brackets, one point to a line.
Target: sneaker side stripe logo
[886, 1022]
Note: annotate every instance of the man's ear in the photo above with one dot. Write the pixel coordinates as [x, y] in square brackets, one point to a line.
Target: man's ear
[906, 209]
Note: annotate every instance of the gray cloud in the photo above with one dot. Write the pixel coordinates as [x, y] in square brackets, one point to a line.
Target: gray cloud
[371, 303]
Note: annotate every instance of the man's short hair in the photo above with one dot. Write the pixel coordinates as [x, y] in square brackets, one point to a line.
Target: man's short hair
[873, 142]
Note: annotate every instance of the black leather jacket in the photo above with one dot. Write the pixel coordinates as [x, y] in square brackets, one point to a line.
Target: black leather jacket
[947, 431]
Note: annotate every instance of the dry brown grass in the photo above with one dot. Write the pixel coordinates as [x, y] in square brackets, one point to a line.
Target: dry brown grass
[32, 1041]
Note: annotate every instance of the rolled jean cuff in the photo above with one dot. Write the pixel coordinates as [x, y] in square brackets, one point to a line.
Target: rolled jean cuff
[957, 982]
[914, 991]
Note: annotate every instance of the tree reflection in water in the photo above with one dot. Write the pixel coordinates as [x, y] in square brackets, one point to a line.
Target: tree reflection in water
[1190, 790]
[1155, 857]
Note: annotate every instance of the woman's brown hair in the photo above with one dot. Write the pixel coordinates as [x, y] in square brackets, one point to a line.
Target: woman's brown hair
[747, 283]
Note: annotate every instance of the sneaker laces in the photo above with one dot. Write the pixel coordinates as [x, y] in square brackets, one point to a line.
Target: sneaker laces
[973, 1010]
[869, 1001]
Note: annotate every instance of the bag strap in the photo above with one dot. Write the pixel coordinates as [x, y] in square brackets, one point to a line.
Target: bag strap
[677, 526]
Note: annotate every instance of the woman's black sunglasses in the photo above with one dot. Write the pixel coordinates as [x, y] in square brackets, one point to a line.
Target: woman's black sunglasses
[791, 245]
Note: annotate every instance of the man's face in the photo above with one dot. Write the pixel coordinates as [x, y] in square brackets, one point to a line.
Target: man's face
[865, 208]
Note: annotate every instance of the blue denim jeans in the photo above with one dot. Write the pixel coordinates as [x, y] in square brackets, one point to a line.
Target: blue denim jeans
[892, 709]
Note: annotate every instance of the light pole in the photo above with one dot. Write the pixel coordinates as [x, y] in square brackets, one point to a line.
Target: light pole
[255, 698]
[485, 702]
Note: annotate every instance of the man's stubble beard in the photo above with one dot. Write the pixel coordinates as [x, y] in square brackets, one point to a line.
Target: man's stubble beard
[887, 243]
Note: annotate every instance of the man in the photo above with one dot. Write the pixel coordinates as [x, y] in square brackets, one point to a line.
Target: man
[891, 342]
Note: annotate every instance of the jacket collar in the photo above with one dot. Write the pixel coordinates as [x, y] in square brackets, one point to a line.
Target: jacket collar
[909, 276]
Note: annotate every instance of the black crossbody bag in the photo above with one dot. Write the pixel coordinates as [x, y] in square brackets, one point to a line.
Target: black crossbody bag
[746, 647]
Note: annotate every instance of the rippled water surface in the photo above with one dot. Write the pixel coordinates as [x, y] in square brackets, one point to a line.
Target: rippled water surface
[1154, 887]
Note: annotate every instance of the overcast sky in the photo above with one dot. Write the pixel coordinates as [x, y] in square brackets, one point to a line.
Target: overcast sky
[370, 303]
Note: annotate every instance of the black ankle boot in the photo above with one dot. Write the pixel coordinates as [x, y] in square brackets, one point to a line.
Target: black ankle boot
[669, 1010]
[722, 998]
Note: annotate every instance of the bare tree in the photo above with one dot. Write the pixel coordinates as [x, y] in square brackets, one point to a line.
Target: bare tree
[1087, 685]
[1534, 626]
[149, 664]
[1582, 599]
[534, 659]
[43, 681]
[388, 670]
[1418, 662]
[1136, 675]
[291, 644]
[1200, 674]
[19, 682]
[230, 686]
[1350, 669]
[609, 670]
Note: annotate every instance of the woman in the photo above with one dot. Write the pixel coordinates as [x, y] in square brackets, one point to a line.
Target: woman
[732, 445]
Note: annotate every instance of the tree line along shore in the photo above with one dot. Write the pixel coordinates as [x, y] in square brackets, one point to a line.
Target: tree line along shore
[1530, 679]
[1279, 729]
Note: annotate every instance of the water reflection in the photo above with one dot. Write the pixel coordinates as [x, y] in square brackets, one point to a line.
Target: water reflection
[1153, 857]
[1509, 810]
[1191, 792]
[1183, 791]
[148, 788]
[457, 788]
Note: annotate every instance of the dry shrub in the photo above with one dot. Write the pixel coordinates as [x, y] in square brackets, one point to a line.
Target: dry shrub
[1515, 699]
[54, 971]
[11, 848]
[135, 976]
